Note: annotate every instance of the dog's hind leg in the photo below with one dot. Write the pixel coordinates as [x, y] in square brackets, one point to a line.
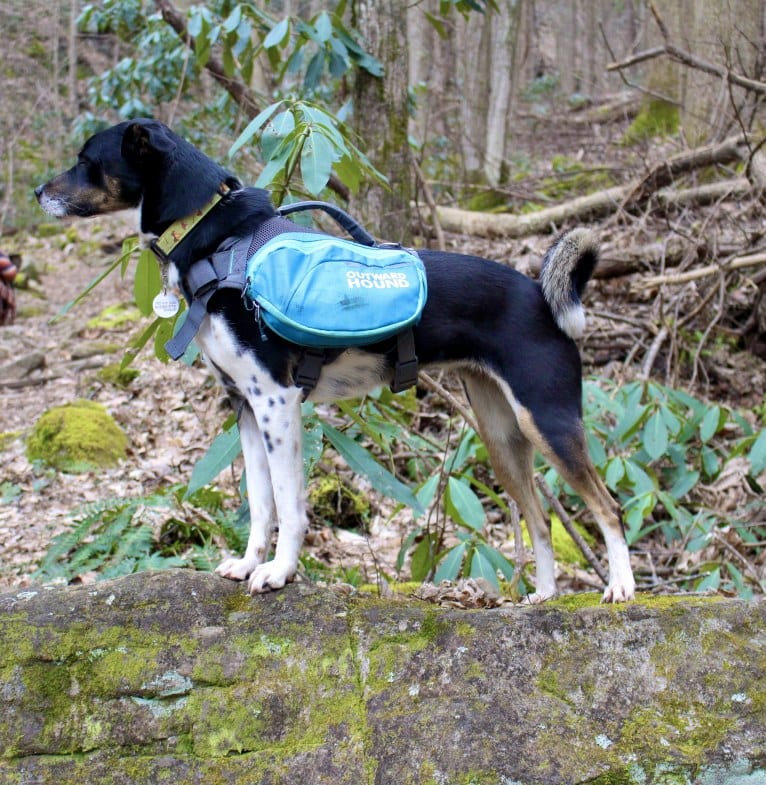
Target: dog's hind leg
[512, 456]
[260, 498]
[577, 469]
[557, 432]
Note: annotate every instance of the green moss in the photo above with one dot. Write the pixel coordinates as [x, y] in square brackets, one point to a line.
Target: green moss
[49, 229]
[118, 376]
[565, 548]
[77, 437]
[655, 118]
[7, 438]
[115, 316]
[332, 500]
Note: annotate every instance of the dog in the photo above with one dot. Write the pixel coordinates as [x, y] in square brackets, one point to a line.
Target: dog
[510, 338]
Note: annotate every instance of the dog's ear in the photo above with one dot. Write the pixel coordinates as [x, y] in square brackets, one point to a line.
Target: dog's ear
[145, 140]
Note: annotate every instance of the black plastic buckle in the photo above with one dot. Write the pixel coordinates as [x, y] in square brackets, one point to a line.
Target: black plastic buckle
[157, 251]
[309, 369]
[406, 367]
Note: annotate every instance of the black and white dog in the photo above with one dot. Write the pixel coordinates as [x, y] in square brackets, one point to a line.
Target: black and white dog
[509, 338]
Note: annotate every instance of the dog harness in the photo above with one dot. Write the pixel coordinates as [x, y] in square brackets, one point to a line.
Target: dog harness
[277, 268]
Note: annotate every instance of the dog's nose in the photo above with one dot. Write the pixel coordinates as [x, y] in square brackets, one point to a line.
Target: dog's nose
[39, 191]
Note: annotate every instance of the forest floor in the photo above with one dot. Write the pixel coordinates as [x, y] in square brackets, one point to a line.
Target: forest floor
[172, 412]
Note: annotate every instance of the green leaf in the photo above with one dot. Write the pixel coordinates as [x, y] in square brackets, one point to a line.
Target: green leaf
[224, 449]
[163, 334]
[463, 504]
[428, 489]
[422, 561]
[275, 132]
[449, 566]
[147, 282]
[253, 126]
[655, 436]
[317, 158]
[278, 34]
[481, 567]
[615, 471]
[757, 454]
[711, 463]
[313, 443]
[711, 581]
[639, 480]
[233, 19]
[711, 423]
[362, 462]
[685, 481]
[438, 24]
[497, 560]
[323, 26]
[314, 71]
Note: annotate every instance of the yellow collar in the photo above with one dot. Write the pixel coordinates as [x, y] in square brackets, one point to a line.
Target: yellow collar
[164, 245]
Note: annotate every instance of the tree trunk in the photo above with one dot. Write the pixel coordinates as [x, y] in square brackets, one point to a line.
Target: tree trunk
[504, 31]
[381, 117]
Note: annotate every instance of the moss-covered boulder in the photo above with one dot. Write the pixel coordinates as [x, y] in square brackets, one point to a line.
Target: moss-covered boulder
[181, 677]
[77, 437]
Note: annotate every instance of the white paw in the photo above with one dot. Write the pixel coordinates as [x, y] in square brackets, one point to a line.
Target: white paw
[271, 575]
[236, 569]
[537, 598]
[619, 592]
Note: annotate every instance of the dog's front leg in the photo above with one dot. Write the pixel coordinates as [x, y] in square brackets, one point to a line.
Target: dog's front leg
[278, 417]
[260, 498]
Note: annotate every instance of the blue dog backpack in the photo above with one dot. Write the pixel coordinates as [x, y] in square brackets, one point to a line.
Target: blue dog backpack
[317, 291]
[321, 291]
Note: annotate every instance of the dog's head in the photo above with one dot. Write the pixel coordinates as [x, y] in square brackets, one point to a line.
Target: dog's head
[103, 180]
[130, 164]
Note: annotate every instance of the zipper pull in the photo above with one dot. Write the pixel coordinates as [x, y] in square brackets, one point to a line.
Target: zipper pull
[259, 321]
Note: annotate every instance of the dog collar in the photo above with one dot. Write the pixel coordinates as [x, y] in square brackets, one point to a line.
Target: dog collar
[167, 242]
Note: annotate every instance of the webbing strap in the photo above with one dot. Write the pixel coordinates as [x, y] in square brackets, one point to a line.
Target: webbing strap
[201, 282]
[406, 368]
[310, 365]
[177, 345]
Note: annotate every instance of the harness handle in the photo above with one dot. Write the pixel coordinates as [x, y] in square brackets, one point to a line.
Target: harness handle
[341, 217]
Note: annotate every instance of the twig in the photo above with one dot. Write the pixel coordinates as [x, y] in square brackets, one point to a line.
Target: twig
[651, 355]
[430, 383]
[572, 531]
[755, 260]
[17, 384]
[688, 59]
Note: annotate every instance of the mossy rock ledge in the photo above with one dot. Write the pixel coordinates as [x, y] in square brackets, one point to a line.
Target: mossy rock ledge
[181, 677]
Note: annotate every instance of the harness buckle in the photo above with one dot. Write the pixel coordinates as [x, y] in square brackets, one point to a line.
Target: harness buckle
[308, 370]
[154, 247]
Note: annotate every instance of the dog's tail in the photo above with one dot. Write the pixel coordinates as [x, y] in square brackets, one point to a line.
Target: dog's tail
[566, 270]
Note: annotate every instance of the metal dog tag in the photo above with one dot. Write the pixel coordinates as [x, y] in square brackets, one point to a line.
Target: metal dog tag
[165, 305]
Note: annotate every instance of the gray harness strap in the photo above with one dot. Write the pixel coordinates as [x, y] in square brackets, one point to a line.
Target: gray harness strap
[226, 269]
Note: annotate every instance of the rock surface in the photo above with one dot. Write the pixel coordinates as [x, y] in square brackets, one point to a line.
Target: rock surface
[181, 677]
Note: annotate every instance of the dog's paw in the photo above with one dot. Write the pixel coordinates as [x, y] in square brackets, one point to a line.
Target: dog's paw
[537, 598]
[236, 569]
[271, 575]
[619, 592]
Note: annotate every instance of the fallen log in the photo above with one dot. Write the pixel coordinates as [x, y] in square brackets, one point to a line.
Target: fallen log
[627, 197]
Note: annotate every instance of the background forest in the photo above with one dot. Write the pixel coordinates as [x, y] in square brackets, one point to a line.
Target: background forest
[485, 127]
